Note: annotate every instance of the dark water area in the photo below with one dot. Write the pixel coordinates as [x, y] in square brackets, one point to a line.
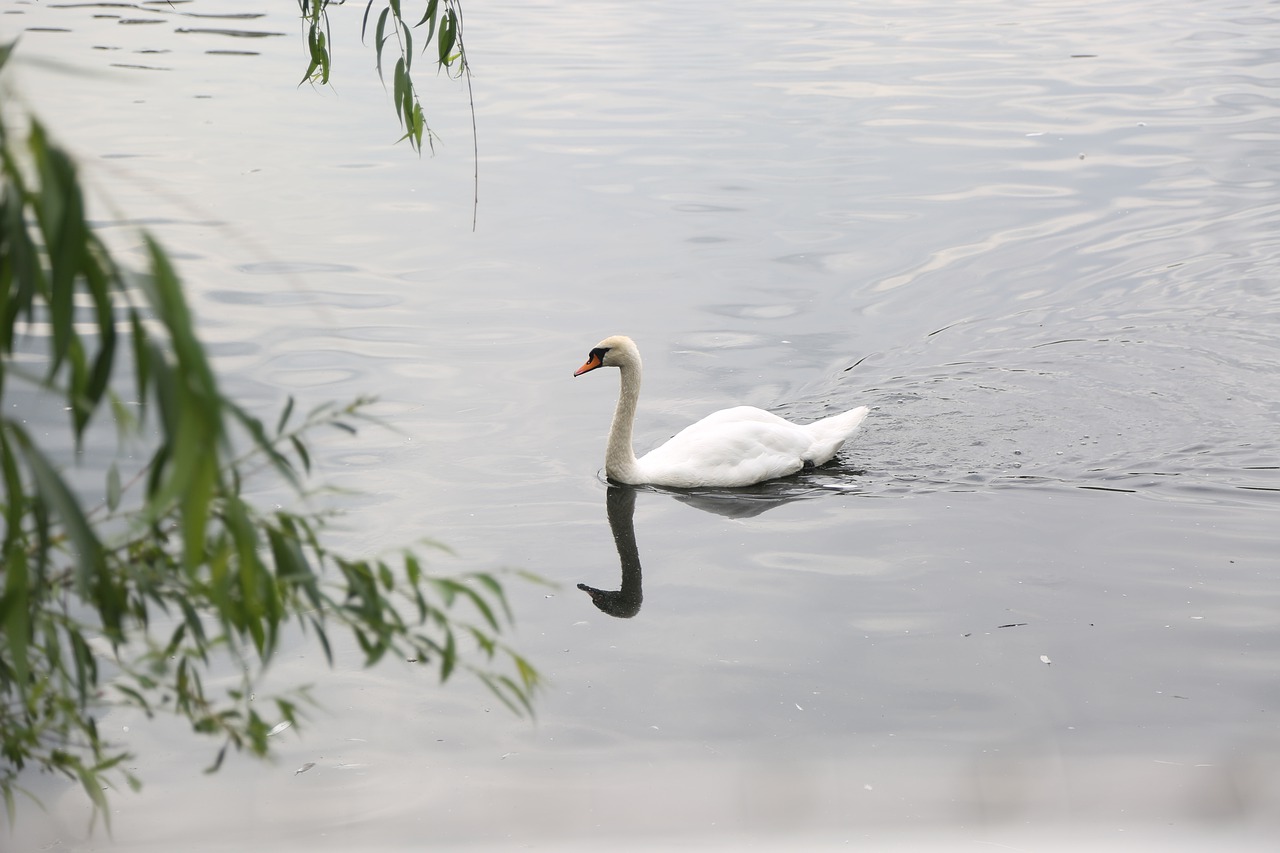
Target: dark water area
[1035, 603]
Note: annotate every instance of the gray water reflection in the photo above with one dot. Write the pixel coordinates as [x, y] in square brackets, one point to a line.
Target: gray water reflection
[1040, 239]
[741, 503]
[625, 601]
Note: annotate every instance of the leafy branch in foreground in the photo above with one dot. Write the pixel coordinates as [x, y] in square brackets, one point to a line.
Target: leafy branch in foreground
[443, 23]
[171, 595]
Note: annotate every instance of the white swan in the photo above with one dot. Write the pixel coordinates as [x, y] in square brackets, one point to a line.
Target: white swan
[733, 447]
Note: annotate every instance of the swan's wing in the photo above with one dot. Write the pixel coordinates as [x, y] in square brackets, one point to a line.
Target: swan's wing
[739, 414]
[829, 434]
[733, 447]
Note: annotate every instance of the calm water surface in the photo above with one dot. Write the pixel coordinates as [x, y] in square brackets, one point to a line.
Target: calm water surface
[1035, 603]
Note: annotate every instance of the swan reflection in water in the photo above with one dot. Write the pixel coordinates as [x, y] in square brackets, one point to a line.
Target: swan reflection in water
[624, 602]
[620, 504]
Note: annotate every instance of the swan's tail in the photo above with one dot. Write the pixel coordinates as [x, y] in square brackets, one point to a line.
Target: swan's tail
[830, 434]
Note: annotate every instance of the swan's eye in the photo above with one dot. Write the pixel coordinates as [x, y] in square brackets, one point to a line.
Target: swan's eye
[599, 352]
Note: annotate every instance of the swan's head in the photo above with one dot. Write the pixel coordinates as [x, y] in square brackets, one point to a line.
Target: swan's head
[616, 351]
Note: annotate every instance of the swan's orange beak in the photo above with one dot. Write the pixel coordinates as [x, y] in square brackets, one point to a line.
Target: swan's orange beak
[593, 361]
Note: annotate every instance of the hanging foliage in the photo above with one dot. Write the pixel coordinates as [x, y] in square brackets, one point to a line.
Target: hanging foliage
[133, 597]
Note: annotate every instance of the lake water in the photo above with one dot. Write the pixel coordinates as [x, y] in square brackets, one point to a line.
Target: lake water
[1035, 604]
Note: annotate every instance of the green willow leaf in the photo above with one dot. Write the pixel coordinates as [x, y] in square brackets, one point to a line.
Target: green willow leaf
[218, 759]
[301, 449]
[284, 415]
[448, 656]
[418, 125]
[448, 34]
[433, 8]
[15, 607]
[379, 39]
[93, 579]
[113, 487]
[495, 591]
[398, 87]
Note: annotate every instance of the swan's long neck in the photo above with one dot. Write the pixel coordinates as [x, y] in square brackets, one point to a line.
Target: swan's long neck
[620, 456]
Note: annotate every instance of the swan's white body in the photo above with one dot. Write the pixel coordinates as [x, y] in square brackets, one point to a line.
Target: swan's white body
[733, 447]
